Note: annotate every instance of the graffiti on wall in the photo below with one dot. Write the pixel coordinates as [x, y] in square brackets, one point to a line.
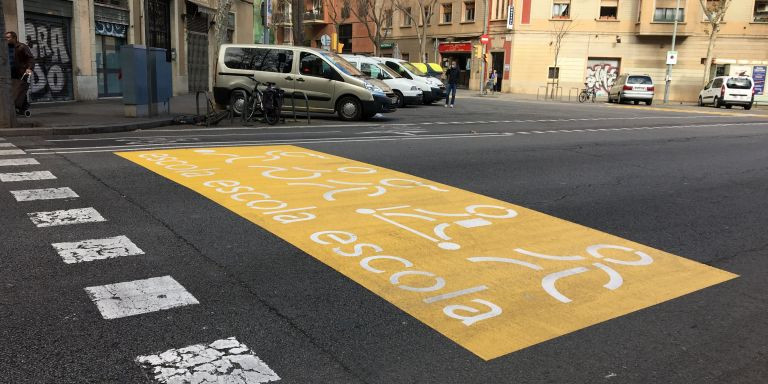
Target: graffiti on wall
[49, 42]
[601, 74]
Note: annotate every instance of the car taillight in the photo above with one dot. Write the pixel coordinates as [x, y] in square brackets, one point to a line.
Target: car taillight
[651, 89]
[627, 87]
[722, 91]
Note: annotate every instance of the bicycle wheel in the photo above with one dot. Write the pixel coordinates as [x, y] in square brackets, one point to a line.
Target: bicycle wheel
[252, 106]
[272, 116]
[582, 97]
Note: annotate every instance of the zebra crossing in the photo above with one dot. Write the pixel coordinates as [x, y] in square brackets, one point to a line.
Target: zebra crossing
[129, 298]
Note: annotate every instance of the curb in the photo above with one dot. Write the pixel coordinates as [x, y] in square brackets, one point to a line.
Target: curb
[85, 129]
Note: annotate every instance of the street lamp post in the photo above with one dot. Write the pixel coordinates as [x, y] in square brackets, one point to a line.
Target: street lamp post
[668, 79]
[485, 46]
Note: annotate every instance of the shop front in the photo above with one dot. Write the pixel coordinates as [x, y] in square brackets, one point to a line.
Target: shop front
[461, 53]
[47, 32]
[111, 30]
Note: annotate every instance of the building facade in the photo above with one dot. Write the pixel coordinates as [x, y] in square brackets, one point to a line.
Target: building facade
[76, 43]
[600, 39]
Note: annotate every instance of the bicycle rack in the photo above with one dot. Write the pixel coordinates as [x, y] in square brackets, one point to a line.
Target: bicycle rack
[539, 90]
[306, 105]
[571, 90]
[210, 110]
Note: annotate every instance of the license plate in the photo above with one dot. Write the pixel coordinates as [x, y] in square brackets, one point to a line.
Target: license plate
[640, 88]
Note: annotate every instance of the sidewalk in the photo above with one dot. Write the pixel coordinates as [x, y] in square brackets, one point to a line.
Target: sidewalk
[99, 116]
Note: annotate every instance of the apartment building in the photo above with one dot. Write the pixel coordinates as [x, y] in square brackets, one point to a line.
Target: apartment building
[600, 39]
[76, 43]
[323, 17]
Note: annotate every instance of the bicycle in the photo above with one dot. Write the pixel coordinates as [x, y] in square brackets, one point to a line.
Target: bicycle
[267, 103]
[587, 94]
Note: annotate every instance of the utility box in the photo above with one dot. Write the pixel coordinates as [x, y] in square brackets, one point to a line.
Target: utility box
[147, 86]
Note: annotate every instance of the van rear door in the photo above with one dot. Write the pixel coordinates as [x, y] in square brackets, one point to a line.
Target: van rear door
[739, 89]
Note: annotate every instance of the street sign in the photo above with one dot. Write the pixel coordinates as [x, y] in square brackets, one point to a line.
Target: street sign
[485, 39]
[758, 75]
[325, 41]
[511, 17]
[671, 57]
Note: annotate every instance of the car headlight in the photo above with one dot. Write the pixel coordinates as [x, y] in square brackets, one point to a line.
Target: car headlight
[372, 87]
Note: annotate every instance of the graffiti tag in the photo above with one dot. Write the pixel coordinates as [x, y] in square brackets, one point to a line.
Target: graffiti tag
[600, 77]
[53, 69]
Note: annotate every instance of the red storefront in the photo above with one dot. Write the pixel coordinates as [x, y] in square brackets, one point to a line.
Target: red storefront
[461, 53]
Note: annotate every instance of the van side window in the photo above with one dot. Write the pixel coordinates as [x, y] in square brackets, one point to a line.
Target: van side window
[709, 85]
[312, 65]
[392, 65]
[717, 83]
[259, 59]
[370, 70]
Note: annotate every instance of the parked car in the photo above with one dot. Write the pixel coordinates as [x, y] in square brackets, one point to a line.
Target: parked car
[431, 69]
[434, 89]
[632, 87]
[406, 91]
[728, 91]
[331, 84]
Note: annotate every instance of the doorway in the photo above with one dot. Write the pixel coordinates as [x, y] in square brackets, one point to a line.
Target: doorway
[497, 65]
[108, 65]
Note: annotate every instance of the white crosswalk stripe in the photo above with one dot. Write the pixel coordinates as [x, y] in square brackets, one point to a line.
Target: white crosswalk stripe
[96, 249]
[223, 361]
[13, 162]
[140, 296]
[26, 176]
[8, 152]
[65, 217]
[44, 194]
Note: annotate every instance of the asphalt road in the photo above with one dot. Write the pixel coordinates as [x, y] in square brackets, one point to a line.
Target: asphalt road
[690, 182]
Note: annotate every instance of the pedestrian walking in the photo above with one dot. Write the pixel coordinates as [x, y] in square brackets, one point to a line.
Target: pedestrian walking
[452, 75]
[21, 62]
[491, 84]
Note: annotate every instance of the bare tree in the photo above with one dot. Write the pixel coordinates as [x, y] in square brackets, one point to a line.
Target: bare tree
[298, 9]
[373, 15]
[335, 13]
[426, 8]
[7, 110]
[715, 12]
[559, 32]
[220, 23]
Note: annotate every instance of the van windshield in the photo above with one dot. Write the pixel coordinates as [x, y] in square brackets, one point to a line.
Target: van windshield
[389, 71]
[739, 83]
[413, 69]
[341, 64]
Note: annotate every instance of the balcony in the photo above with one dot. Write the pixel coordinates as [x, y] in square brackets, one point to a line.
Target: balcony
[314, 16]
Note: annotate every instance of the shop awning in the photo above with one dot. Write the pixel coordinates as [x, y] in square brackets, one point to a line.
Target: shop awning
[454, 47]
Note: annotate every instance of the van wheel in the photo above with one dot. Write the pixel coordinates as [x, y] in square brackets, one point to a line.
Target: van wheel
[748, 107]
[237, 101]
[400, 100]
[716, 103]
[649, 102]
[349, 109]
[636, 102]
[701, 102]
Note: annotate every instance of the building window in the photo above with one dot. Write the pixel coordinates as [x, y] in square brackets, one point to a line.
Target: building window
[407, 20]
[345, 11]
[428, 15]
[499, 10]
[609, 9]
[469, 11]
[761, 11]
[561, 9]
[388, 19]
[667, 15]
[447, 13]
[345, 37]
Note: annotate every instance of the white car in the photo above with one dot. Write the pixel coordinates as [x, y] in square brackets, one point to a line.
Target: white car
[434, 89]
[632, 87]
[407, 92]
[728, 91]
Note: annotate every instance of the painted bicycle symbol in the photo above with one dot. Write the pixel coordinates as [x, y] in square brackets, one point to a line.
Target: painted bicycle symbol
[548, 282]
[474, 216]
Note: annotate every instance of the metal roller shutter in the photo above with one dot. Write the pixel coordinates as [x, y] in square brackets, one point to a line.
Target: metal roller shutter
[50, 40]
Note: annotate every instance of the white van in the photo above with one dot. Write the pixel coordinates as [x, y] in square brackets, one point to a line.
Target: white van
[331, 84]
[729, 91]
[434, 89]
[406, 91]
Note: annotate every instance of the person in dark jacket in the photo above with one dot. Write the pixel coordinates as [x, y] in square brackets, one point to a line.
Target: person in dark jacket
[21, 62]
[452, 77]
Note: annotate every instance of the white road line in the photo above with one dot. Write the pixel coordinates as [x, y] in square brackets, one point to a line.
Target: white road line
[10, 152]
[7, 145]
[96, 249]
[65, 217]
[138, 297]
[26, 176]
[44, 194]
[12, 162]
[223, 361]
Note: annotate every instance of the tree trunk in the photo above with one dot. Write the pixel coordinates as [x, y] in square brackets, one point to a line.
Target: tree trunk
[7, 108]
[297, 9]
[710, 47]
[221, 21]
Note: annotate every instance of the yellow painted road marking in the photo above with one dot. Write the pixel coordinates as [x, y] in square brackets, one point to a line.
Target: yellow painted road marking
[492, 276]
[723, 113]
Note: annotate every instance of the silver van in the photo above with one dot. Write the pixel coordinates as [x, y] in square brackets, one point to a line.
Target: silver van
[632, 87]
[331, 84]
